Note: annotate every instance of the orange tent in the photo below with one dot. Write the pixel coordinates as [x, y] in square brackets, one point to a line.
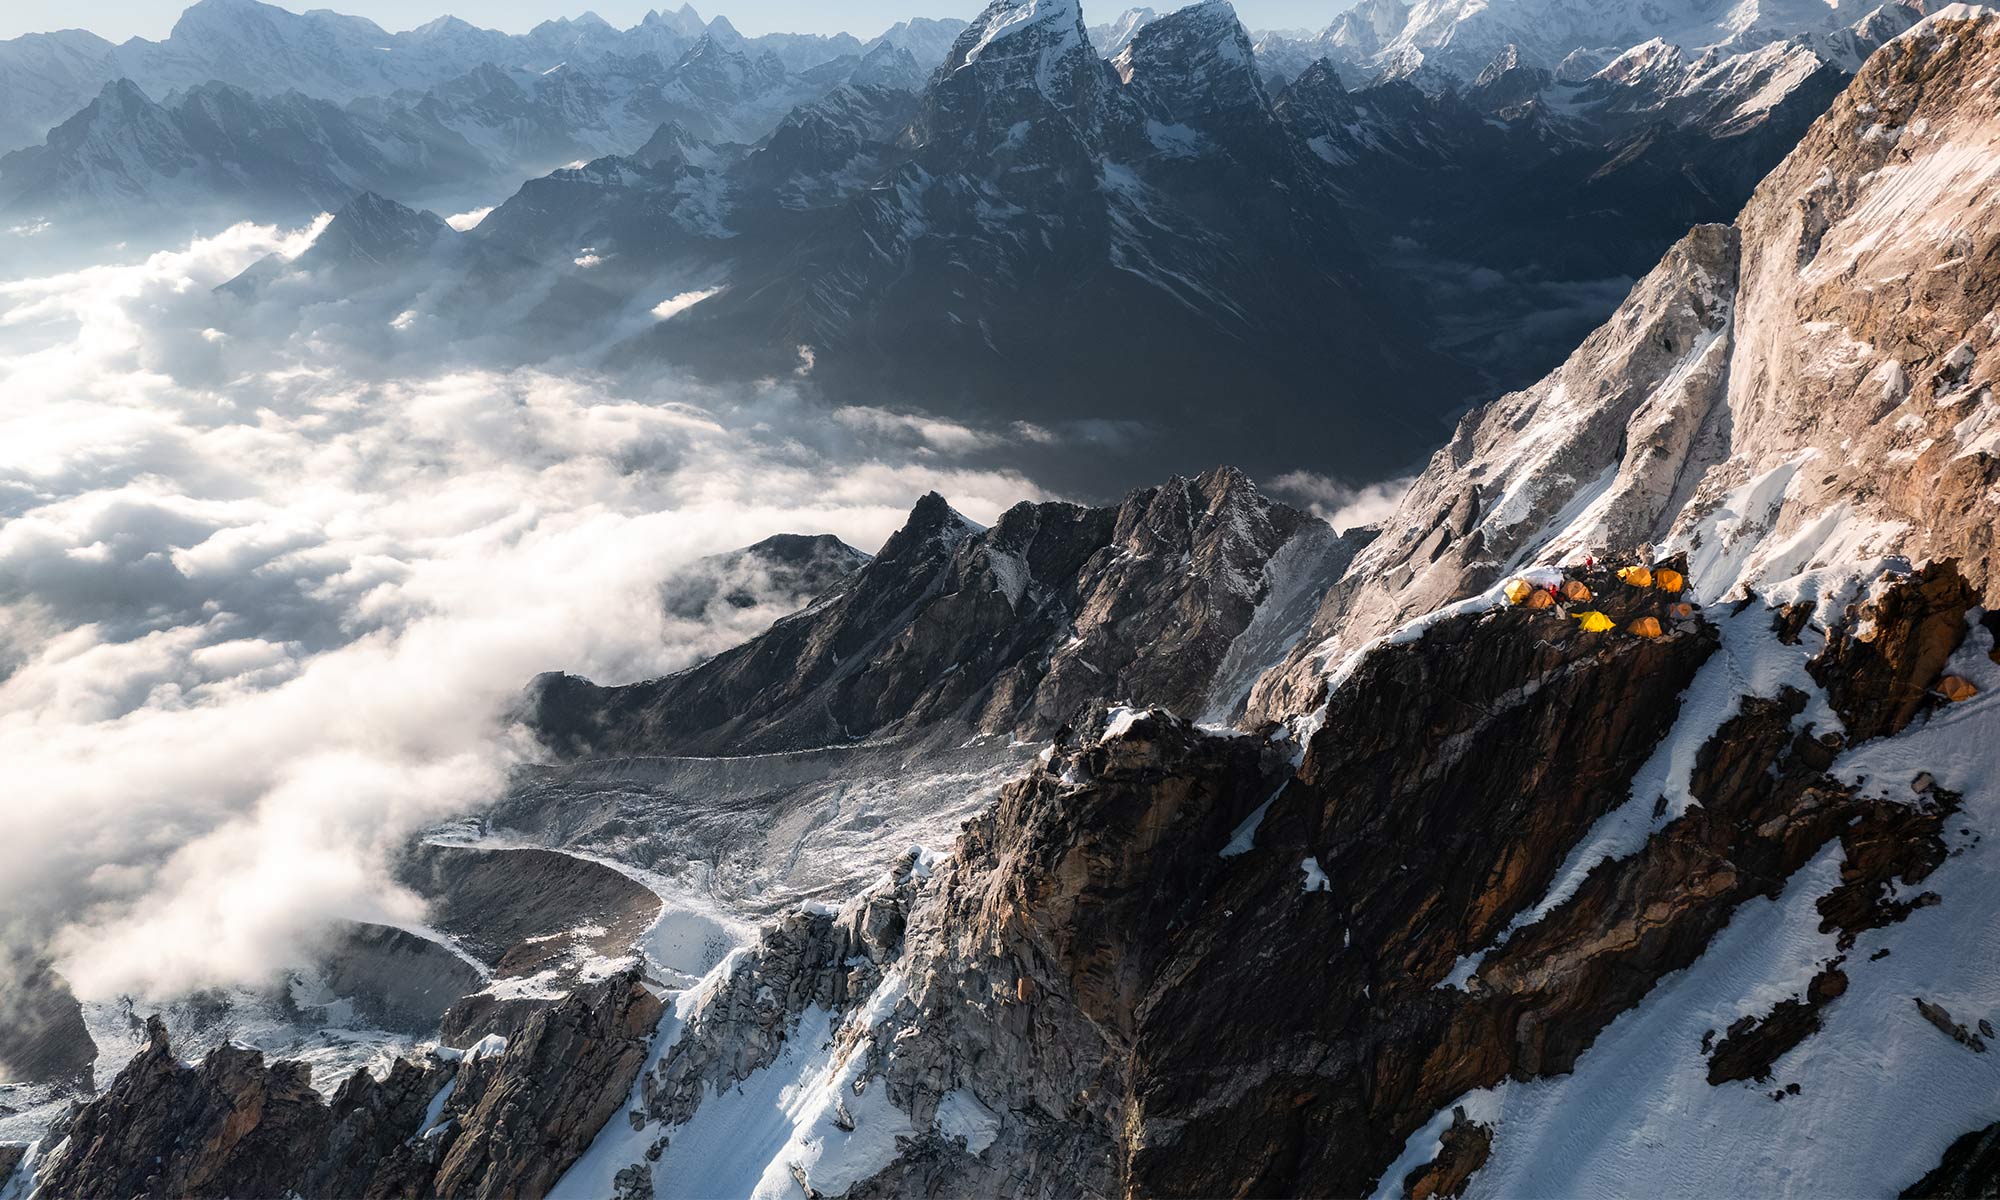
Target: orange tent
[1956, 688]
[1648, 627]
[1574, 590]
[1682, 611]
[1539, 600]
[1668, 581]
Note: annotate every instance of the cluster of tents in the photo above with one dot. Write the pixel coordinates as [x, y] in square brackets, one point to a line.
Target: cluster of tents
[1577, 596]
[1523, 594]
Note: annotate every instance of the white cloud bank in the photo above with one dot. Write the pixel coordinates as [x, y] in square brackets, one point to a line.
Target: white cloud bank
[1340, 505]
[262, 614]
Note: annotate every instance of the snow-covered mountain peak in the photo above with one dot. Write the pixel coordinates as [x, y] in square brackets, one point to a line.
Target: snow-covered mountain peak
[1044, 30]
[445, 26]
[1020, 66]
[1446, 39]
[1112, 38]
[722, 33]
[1369, 25]
[1650, 58]
[1197, 60]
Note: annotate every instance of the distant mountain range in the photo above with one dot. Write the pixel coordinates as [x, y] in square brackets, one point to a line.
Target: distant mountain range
[45, 78]
[1439, 43]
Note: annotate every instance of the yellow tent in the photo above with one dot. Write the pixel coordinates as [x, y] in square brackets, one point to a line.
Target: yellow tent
[1518, 590]
[1648, 627]
[1956, 688]
[1668, 581]
[1595, 622]
[1539, 600]
[1574, 590]
[1636, 576]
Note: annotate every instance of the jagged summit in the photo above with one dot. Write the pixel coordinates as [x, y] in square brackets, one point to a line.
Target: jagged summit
[1021, 64]
[1195, 63]
[932, 522]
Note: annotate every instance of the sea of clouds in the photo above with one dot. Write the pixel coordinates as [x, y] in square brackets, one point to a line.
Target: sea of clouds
[270, 585]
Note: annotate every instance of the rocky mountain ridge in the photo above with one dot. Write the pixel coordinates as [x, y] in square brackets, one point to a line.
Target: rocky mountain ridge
[952, 630]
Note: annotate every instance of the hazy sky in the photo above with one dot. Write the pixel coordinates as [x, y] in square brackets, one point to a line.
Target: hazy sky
[120, 19]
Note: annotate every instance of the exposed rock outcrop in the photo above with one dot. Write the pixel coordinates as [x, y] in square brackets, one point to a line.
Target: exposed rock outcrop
[506, 1123]
[1463, 1149]
[1970, 1170]
[1752, 1044]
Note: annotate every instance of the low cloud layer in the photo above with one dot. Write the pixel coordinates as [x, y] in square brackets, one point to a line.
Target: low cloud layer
[1341, 505]
[264, 603]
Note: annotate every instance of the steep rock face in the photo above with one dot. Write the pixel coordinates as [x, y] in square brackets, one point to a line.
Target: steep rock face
[1633, 396]
[560, 1080]
[1763, 400]
[819, 147]
[1889, 383]
[1016, 628]
[1081, 960]
[510, 1122]
[1365, 29]
[1021, 61]
[1880, 665]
